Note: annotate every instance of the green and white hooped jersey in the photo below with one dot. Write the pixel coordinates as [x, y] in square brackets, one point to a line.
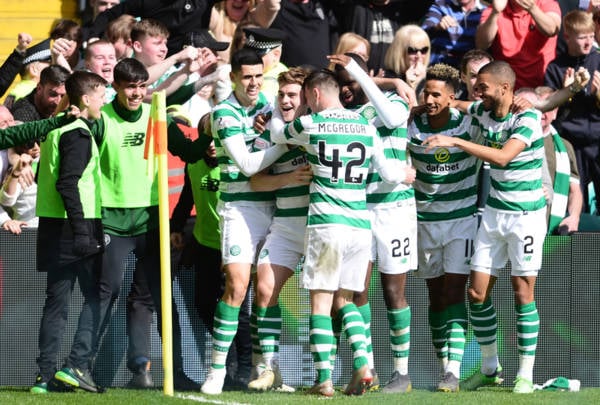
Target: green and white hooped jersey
[395, 142]
[290, 201]
[446, 183]
[339, 145]
[518, 185]
[51, 205]
[230, 119]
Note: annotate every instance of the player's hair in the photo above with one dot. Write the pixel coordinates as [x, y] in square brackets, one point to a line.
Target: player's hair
[444, 73]
[148, 27]
[81, 83]
[242, 57]
[501, 71]
[295, 75]
[323, 79]
[130, 70]
[120, 28]
[473, 55]
[577, 22]
[88, 53]
[54, 74]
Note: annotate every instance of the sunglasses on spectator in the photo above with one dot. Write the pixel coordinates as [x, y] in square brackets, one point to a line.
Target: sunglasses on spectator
[414, 51]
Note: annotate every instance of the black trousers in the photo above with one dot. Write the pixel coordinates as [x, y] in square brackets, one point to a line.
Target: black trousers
[59, 289]
[144, 296]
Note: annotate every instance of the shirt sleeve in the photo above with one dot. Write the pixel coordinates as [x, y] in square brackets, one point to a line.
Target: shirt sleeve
[392, 114]
[75, 148]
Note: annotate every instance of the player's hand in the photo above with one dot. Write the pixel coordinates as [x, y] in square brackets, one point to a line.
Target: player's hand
[302, 176]
[571, 222]
[14, 226]
[411, 175]
[260, 122]
[208, 62]
[339, 59]
[84, 246]
[520, 104]
[406, 92]
[439, 141]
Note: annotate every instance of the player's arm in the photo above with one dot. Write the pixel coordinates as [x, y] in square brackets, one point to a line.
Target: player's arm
[391, 170]
[392, 114]
[498, 157]
[229, 132]
[179, 145]
[28, 131]
[264, 181]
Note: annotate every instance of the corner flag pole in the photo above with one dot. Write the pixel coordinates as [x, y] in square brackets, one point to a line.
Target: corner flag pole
[157, 132]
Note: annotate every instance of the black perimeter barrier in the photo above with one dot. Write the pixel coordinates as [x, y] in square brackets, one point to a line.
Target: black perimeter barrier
[567, 293]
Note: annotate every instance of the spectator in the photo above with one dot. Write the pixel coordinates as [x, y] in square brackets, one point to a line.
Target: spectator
[451, 25]
[179, 16]
[19, 197]
[100, 58]
[227, 14]
[118, 32]
[37, 58]
[42, 102]
[578, 120]
[470, 64]
[408, 55]
[12, 64]
[67, 38]
[377, 21]
[350, 42]
[310, 30]
[524, 34]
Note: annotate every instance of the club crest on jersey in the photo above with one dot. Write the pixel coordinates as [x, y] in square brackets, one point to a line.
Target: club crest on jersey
[369, 112]
[442, 155]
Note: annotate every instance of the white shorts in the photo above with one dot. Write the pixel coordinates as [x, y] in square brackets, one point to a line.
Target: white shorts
[515, 236]
[394, 246]
[244, 228]
[337, 257]
[285, 242]
[446, 247]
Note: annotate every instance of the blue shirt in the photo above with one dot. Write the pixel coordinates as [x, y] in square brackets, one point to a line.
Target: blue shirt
[450, 45]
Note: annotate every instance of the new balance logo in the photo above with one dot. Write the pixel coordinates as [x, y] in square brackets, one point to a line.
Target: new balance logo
[133, 139]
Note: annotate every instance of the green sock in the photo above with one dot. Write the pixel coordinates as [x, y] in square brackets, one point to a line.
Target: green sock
[336, 323]
[321, 338]
[269, 332]
[528, 327]
[365, 311]
[399, 320]
[224, 329]
[483, 319]
[354, 328]
[437, 325]
[457, 324]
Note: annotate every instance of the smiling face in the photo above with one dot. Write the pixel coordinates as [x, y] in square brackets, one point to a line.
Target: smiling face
[288, 99]
[101, 59]
[237, 9]
[351, 94]
[150, 50]
[437, 96]
[248, 82]
[47, 97]
[471, 77]
[489, 90]
[130, 95]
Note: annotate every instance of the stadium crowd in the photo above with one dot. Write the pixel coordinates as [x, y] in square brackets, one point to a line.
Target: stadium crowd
[441, 138]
